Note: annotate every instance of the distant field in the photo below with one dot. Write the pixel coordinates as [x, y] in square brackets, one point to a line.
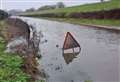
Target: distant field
[71, 14]
[82, 8]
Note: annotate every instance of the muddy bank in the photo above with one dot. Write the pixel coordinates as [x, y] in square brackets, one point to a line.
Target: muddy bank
[17, 28]
[105, 14]
[20, 41]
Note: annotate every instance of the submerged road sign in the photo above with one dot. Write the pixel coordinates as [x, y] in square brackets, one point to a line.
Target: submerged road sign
[70, 42]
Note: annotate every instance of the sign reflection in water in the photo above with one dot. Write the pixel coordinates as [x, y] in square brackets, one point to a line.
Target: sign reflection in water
[70, 43]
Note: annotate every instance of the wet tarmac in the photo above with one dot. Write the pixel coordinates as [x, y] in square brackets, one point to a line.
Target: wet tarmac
[97, 61]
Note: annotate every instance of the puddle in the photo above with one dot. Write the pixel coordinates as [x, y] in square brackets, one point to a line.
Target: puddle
[98, 60]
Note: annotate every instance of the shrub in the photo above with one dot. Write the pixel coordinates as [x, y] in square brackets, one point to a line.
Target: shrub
[3, 14]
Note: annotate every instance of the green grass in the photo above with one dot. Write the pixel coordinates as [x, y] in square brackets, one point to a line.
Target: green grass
[88, 81]
[10, 64]
[10, 67]
[3, 25]
[104, 22]
[82, 8]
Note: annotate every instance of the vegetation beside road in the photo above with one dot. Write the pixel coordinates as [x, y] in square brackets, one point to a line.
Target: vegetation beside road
[3, 14]
[101, 22]
[17, 67]
[82, 8]
[10, 64]
[10, 67]
[72, 14]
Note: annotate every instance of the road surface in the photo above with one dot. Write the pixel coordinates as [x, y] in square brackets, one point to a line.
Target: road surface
[97, 61]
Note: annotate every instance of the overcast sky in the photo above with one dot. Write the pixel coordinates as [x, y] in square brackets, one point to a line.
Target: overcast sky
[25, 4]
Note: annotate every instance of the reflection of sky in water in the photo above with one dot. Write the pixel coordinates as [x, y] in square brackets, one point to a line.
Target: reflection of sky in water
[108, 37]
[98, 59]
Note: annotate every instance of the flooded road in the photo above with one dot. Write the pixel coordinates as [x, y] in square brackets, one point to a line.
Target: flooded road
[97, 61]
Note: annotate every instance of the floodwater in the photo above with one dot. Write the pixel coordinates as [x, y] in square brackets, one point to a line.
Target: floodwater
[97, 61]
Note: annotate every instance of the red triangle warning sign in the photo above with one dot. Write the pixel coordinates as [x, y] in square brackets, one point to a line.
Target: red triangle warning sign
[70, 42]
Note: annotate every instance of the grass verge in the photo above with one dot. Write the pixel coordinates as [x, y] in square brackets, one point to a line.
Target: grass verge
[10, 64]
[103, 22]
[113, 4]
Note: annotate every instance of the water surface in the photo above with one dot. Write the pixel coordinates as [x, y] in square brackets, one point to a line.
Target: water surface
[97, 61]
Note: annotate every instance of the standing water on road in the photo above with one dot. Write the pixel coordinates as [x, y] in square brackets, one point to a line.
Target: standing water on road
[97, 61]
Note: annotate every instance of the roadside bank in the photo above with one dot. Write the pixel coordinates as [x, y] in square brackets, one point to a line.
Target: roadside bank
[10, 64]
[15, 35]
[103, 24]
[106, 14]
